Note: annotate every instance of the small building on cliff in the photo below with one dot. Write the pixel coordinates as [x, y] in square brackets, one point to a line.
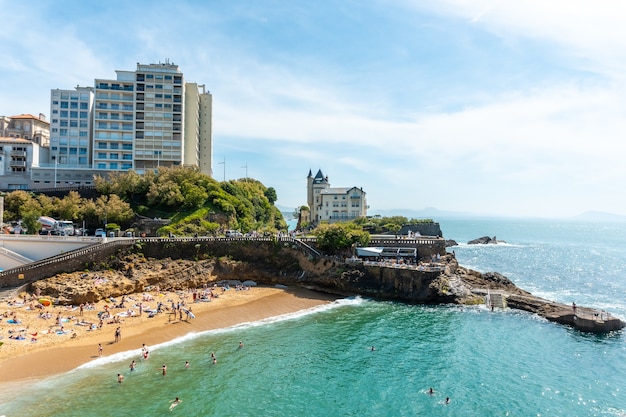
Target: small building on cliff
[333, 204]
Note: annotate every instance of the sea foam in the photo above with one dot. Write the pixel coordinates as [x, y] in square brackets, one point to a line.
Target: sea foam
[136, 353]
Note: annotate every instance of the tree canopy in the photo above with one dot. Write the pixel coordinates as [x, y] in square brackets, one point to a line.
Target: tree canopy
[195, 203]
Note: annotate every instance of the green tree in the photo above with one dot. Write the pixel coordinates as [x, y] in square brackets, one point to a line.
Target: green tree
[18, 202]
[69, 208]
[271, 195]
[337, 236]
[111, 209]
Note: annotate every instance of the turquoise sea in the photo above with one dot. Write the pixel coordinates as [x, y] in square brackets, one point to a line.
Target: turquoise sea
[320, 362]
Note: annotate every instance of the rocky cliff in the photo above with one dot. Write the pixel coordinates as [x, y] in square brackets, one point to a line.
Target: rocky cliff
[176, 266]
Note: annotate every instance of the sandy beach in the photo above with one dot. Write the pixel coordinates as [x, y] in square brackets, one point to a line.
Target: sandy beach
[57, 339]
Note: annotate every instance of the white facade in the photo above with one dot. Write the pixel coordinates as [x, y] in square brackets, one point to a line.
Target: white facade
[333, 204]
[149, 118]
[70, 127]
[114, 123]
[198, 128]
[16, 159]
[141, 120]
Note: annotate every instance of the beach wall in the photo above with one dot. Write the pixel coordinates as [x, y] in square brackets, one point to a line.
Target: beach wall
[78, 260]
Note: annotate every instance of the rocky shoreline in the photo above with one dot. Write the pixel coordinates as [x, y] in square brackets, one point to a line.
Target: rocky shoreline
[132, 272]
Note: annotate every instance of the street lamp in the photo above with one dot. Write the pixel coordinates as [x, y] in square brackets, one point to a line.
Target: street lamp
[158, 155]
[56, 164]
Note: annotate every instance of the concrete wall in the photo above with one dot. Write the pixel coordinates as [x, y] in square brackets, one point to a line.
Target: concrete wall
[38, 247]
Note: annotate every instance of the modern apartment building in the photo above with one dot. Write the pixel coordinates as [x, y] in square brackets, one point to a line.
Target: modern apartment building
[70, 128]
[333, 204]
[141, 120]
[149, 118]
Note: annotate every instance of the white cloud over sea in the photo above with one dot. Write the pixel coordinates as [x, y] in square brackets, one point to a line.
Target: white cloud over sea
[489, 107]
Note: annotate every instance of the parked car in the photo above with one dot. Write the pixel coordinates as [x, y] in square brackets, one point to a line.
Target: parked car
[100, 233]
[233, 233]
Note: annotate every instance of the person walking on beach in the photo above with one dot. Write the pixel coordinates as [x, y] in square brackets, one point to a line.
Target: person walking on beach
[118, 334]
[99, 349]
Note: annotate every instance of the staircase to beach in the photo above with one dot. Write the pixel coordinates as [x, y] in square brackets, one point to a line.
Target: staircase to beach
[495, 299]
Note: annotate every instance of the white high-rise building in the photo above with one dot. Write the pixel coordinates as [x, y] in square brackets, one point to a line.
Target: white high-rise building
[139, 121]
[70, 127]
[198, 149]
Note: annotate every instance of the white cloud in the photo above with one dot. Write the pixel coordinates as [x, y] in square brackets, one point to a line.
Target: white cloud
[588, 30]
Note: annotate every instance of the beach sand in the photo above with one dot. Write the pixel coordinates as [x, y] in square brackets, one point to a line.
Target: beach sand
[54, 353]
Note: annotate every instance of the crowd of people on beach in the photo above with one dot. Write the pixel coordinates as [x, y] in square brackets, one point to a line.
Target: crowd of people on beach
[73, 320]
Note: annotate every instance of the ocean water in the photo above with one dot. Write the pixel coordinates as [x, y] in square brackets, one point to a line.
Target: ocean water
[320, 363]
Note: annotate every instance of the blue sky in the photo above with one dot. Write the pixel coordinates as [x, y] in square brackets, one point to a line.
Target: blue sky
[479, 106]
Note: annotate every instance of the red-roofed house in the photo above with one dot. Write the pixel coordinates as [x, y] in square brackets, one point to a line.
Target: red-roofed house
[26, 126]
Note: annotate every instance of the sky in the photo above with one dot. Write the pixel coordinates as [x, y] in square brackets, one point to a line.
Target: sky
[477, 106]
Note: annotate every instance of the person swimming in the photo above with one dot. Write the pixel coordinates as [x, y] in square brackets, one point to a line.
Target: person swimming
[175, 402]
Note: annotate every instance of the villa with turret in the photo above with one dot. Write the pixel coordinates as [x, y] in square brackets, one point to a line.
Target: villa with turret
[333, 204]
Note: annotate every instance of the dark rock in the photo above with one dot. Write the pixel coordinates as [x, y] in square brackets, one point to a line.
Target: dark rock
[450, 242]
[485, 240]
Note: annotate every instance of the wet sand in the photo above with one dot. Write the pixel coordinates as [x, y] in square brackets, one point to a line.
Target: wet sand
[49, 353]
